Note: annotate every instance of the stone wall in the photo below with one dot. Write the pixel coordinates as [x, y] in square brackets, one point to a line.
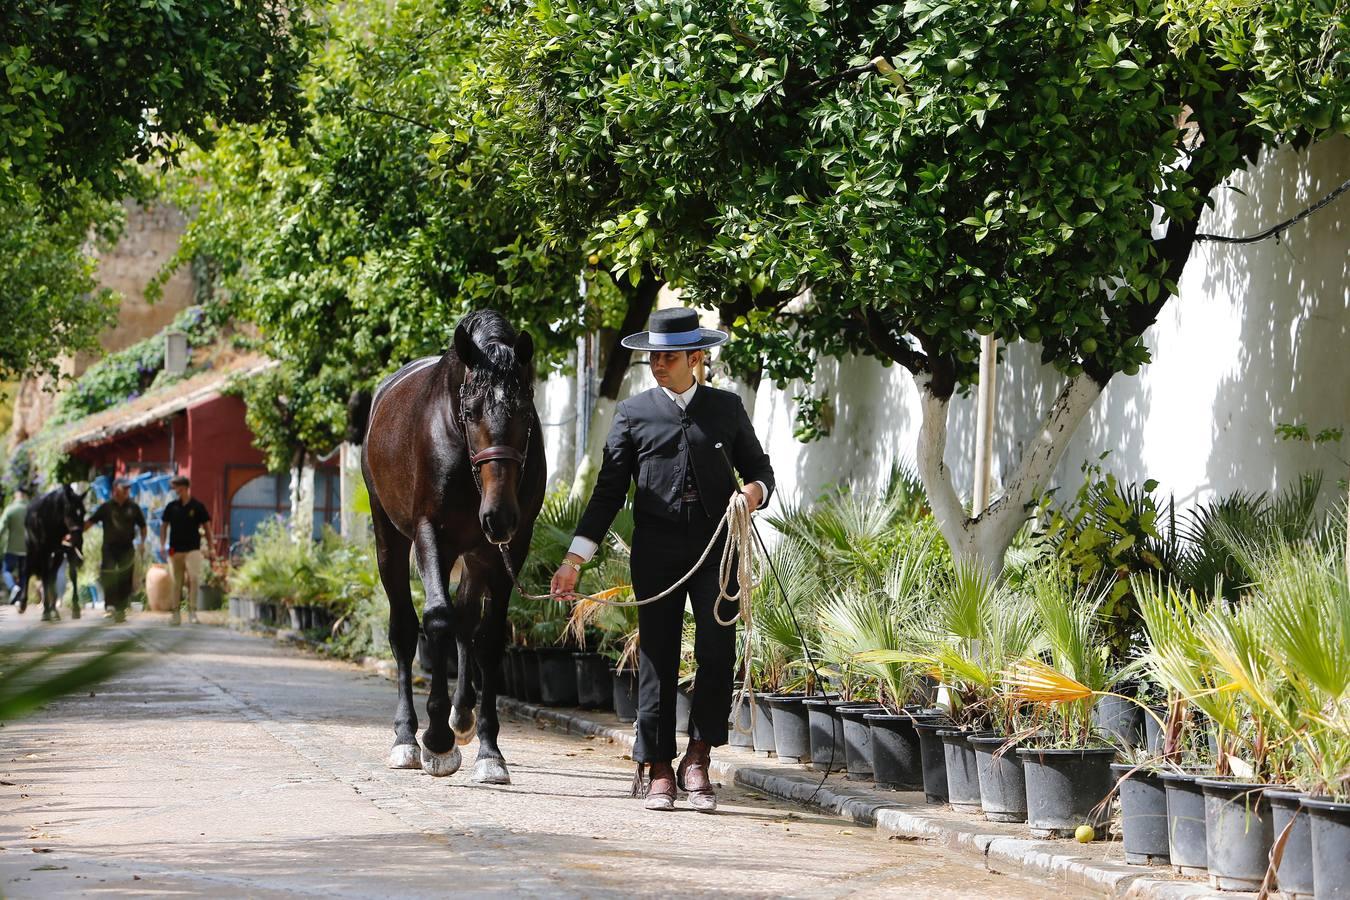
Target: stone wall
[150, 239]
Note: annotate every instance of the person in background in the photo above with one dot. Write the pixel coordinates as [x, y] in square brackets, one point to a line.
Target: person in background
[13, 544]
[185, 521]
[120, 518]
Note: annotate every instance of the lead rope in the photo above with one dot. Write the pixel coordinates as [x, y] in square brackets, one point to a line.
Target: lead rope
[738, 562]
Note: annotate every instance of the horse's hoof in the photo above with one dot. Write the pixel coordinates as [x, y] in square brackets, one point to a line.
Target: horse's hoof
[441, 764]
[463, 733]
[405, 756]
[490, 771]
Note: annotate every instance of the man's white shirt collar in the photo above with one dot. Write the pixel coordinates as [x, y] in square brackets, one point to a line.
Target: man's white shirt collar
[682, 400]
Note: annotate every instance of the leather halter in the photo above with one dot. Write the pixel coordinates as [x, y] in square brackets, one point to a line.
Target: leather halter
[490, 454]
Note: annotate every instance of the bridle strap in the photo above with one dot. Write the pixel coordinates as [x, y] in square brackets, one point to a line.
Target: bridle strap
[490, 454]
[503, 451]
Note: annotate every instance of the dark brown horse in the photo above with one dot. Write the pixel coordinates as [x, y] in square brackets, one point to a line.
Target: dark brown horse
[454, 463]
[54, 529]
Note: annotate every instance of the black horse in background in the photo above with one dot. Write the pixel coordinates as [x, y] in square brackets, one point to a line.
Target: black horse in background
[454, 462]
[54, 530]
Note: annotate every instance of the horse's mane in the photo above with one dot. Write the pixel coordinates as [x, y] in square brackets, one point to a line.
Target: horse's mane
[496, 376]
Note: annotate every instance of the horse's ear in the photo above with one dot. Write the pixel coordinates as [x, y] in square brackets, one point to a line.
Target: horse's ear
[524, 350]
[464, 345]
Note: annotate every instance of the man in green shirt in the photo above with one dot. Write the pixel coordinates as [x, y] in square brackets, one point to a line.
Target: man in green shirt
[14, 545]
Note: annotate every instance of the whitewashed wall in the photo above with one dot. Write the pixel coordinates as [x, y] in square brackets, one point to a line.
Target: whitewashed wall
[1259, 335]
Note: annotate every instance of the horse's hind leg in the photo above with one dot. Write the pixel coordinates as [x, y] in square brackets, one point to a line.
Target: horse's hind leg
[392, 557]
[489, 642]
[440, 755]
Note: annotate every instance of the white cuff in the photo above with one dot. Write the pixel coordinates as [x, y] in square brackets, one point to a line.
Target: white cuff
[763, 491]
[583, 547]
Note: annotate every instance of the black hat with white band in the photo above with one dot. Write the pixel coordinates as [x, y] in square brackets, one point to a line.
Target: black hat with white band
[675, 329]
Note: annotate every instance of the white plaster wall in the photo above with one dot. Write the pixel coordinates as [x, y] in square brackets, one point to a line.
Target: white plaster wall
[1259, 335]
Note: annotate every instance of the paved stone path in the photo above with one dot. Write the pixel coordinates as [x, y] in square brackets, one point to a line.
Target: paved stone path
[227, 765]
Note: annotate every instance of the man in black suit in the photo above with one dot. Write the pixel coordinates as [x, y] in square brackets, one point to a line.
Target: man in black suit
[678, 443]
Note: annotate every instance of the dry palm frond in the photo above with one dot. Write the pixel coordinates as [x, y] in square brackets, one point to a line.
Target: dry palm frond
[1034, 681]
[587, 610]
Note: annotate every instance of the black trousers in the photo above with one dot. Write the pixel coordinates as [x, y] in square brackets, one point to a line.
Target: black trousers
[115, 574]
[662, 553]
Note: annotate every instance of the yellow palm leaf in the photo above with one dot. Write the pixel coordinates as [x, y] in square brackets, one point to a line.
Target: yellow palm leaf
[1034, 681]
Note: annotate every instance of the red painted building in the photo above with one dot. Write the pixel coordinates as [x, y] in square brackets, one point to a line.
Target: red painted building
[191, 428]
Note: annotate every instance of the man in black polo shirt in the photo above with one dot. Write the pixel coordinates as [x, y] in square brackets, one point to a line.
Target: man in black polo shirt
[185, 522]
[120, 518]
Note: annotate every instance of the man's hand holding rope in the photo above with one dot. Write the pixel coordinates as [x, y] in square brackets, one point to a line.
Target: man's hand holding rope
[564, 584]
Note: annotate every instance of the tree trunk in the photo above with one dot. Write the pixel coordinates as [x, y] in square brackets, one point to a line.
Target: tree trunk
[354, 524]
[302, 498]
[984, 539]
[616, 361]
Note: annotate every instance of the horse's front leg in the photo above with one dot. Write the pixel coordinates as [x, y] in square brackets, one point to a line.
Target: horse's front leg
[51, 611]
[440, 756]
[463, 721]
[489, 644]
[74, 589]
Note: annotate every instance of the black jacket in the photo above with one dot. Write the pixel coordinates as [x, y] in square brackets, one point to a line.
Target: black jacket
[653, 443]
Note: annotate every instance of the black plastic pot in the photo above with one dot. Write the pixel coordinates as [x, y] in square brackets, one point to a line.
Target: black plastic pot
[684, 705]
[529, 667]
[827, 734]
[1143, 814]
[1294, 875]
[624, 691]
[791, 729]
[739, 725]
[1153, 732]
[557, 677]
[1064, 787]
[857, 739]
[1186, 842]
[933, 757]
[1120, 718]
[963, 779]
[1238, 833]
[594, 689]
[897, 759]
[1003, 786]
[761, 725]
[517, 672]
[1330, 821]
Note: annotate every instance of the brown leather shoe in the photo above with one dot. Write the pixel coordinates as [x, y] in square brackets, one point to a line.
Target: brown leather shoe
[661, 792]
[694, 778]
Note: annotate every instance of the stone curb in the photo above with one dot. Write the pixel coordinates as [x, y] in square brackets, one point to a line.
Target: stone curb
[1001, 852]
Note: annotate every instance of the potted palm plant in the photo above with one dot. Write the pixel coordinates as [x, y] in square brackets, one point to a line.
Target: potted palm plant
[1067, 764]
[978, 627]
[1286, 649]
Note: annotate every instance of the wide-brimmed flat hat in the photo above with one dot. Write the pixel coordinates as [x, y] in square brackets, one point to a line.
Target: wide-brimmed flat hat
[675, 329]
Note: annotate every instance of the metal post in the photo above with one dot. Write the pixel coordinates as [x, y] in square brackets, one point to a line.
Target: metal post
[985, 404]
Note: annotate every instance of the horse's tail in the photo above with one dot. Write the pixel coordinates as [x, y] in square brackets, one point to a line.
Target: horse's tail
[358, 416]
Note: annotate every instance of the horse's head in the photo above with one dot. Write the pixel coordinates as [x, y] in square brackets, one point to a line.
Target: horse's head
[72, 516]
[496, 412]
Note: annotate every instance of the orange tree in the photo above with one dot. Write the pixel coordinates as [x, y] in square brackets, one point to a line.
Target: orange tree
[92, 91]
[355, 245]
[1031, 169]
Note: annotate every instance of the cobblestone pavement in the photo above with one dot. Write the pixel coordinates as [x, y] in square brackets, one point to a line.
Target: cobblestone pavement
[227, 765]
